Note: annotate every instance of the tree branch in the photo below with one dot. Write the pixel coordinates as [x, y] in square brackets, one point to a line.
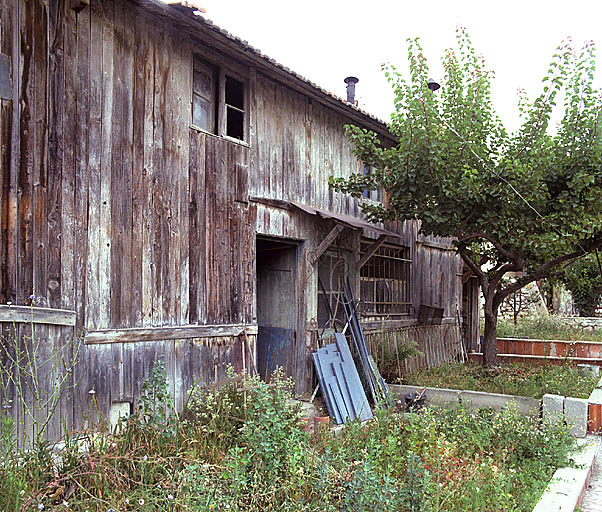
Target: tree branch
[498, 246]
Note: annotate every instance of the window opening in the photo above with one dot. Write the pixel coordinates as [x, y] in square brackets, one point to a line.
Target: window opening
[373, 195]
[203, 96]
[384, 281]
[332, 269]
[235, 108]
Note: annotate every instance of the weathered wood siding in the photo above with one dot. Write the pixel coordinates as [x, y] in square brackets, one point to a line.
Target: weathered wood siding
[114, 207]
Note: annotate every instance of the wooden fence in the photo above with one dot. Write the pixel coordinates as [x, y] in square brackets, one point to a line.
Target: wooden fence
[438, 344]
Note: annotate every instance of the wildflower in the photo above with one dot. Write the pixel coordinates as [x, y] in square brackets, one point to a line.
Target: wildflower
[111, 510]
[40, 506]
[127, 500]
[9, 303]
[91, 392]
[141, 502]
[145, 458]
[32, 297]
[170, 497]
[65, 504]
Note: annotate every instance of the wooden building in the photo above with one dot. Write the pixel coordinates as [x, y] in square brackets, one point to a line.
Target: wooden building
[164, 195]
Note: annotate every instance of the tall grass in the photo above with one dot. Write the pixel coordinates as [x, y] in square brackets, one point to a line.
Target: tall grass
[547, 328]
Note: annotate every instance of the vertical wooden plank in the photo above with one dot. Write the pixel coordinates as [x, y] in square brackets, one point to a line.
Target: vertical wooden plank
[148, 34]
[137, 42]
[197, 244]
[210, 231]
[26, 152]
[40, 145]
[11, 42]
[160, 247]
[120, 182]
[104, 259]
[126, 34]
[83, 126]
[95, 147]
[182, 86]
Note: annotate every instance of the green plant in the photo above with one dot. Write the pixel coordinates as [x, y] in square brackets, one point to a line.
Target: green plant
[584, 280]
[510, 379]
[390, 357]
[546, 328]
[34, 377]
[526, 201]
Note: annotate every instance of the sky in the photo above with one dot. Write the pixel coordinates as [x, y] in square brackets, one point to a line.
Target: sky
[328, 40]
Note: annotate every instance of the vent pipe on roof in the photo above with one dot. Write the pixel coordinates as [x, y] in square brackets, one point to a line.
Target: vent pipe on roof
[351, 81]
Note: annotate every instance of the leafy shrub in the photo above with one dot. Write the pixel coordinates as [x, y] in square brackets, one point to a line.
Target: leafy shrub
[510, 379]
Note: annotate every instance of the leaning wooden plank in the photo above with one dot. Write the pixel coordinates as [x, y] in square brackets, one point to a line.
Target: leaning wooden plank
[345, 391]
[360, 401]
[322, 382]
[27, 314]
[167, 333]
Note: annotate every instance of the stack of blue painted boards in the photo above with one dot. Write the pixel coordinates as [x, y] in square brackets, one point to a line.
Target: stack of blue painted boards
[340, 382]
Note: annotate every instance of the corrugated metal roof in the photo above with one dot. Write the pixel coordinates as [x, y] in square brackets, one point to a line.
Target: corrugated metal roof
[187, 7]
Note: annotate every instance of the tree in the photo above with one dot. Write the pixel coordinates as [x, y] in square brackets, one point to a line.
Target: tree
[528, 201]
[521, 301]
[584, 281]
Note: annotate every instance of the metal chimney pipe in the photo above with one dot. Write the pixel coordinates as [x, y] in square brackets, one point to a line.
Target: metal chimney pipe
[351, 81]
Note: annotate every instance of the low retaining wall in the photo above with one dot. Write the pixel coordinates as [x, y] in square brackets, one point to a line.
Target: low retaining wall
[533, 351]
[472, 399]
[551, 348]
[584, 322]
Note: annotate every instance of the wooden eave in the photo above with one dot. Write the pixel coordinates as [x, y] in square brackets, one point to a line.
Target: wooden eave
[197, 27]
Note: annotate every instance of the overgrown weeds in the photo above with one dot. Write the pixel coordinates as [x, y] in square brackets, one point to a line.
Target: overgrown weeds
[510, 379]
[241, 448]
[545, 328]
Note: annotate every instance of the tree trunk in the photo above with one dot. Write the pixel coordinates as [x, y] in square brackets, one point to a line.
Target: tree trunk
[490, 338]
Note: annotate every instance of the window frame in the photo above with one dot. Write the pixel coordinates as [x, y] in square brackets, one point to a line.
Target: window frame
[219, 109]
[371, 196]
[398, 305]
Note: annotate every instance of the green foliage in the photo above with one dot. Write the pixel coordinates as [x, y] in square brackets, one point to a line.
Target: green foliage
[433, 461]
[527, 201]
[583, 280]
[545, 328]
[511, 379]
[390, 356]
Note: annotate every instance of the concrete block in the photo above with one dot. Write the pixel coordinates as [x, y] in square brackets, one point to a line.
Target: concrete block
[479, 399]
[440, 397]
[586, 370]
[567, 486]
[552, 407]
[575, 414]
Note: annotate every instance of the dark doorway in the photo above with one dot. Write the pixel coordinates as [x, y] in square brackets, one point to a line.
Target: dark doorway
[276, 305]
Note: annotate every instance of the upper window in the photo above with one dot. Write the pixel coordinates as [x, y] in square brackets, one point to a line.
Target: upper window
[374, 195]
[219, 101]
[204, 89]
[385, 281]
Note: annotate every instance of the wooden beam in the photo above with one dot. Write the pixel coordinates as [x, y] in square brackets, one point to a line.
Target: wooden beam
[167, 333]
[36, 315]
[276, 203]
[435, 245]
[371, 250]
[330, 237]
